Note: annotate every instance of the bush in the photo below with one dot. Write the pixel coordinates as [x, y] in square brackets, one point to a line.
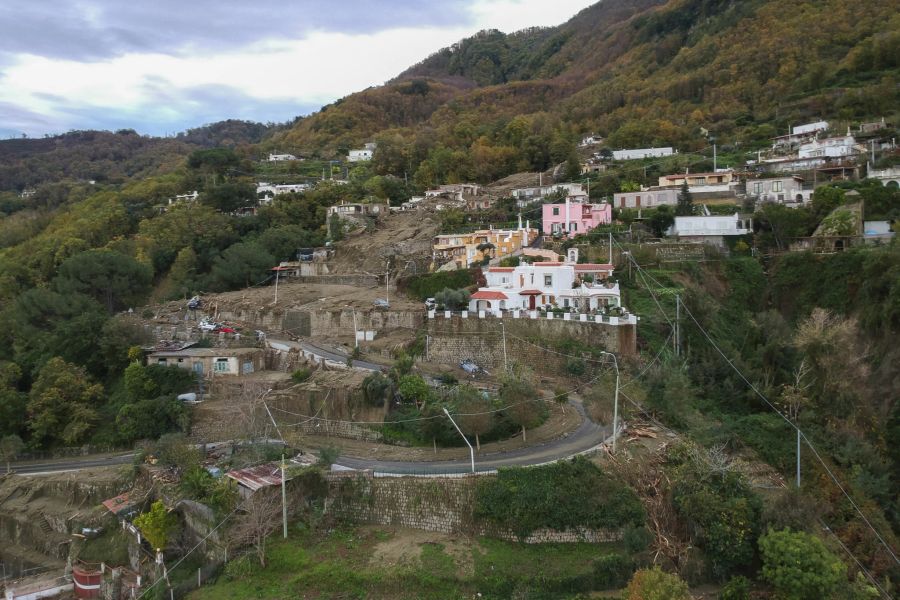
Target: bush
[561, 496]
[656, 584]
[799, 565]
[452, 299]
[240, 568]
[576, 367]
[301, 375]
[636, 539]
[737, 588]
[612, 571]
[427, 286]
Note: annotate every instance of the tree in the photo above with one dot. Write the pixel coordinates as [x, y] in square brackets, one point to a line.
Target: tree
[241, 265]
[12, 401]
[377, 388]
[115, 280]
[660, 221]
[10, 446]
[473, 412]
[229, 197]
[523, 406]
[63, 403]
[452, 299]
[656, 584]
[157, 525]
[260, 516]
[685, 205]
[412, 388]
[174, 450]
[799, 565]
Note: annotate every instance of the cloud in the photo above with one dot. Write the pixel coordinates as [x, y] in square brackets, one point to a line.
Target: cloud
[98, 29]
[167, 65]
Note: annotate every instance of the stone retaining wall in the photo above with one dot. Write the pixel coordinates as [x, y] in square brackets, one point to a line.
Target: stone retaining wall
[433, 504]
[452, 340]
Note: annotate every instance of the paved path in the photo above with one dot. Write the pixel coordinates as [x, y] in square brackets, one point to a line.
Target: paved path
[588, 435]
[341, 358]
[75, 463]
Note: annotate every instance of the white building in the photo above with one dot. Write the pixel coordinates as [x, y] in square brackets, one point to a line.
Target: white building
[646, 198]
[800, 134]
[363, 154]
[642, 153]
[525, 196]
[590, 140]
[833, 147]
[281, 157]
[889, 177]
[578, 287]
[712, 229]
[269, 190]
[184, 197]
[784, 190]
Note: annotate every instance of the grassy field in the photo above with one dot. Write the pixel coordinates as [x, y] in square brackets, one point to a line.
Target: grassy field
[377, 562]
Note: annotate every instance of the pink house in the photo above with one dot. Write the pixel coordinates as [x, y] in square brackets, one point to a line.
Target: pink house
[574, 218]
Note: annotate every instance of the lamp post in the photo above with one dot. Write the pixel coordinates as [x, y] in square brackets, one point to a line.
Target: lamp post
[616, 401]
[465, 439]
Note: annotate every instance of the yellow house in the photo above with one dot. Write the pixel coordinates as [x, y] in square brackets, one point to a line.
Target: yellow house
[466, 249]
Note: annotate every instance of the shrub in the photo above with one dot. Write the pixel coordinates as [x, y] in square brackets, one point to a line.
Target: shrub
[656, 584]
[240, 568]
[636, 539]
[427, 286]
[452, 299]
[576, 367]
[612, 571]
[561, 496]
[799, 565]
[737, 588]
[301, 375]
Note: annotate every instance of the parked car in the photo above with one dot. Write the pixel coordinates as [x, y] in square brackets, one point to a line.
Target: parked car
[381, 303]
[430, 304]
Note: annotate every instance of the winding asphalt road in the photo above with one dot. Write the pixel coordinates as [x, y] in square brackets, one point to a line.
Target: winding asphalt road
[587, 436]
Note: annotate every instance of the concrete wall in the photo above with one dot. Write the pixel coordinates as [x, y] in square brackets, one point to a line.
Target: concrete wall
[433, 504]
[456, 339]
[331, 323]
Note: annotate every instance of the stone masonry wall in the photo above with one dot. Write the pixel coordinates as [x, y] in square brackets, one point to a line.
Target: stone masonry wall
[456, 339]
[433, 504]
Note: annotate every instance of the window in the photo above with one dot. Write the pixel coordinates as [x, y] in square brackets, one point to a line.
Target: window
[777, 186]
[555, 211]
[757, 188]
[220, 365]
[548, 280]
[161, 361]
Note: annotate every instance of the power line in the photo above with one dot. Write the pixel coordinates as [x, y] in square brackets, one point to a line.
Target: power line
[789, 422]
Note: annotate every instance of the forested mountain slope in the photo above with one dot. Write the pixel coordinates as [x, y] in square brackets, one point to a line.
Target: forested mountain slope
[639, 72]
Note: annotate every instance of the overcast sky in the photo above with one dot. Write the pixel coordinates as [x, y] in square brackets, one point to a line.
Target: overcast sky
[161, 66]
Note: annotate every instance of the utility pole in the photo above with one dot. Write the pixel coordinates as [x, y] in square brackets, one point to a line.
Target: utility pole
[677, 325]
[355, 330]
[798, 458]
[283, 499]
[715, 163]
[277, 272]
[465, 439]
[616, 400]
[503, 328]
[610, 246]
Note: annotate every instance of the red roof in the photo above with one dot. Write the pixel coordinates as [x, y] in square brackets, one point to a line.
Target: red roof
[259, 476]
[488, 295]
[530, 293]
[119, 504]
[593, 267]
[501, 269]
[283, 269]
[547, 264]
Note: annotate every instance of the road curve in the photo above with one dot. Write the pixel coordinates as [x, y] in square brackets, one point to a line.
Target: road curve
[588, 435]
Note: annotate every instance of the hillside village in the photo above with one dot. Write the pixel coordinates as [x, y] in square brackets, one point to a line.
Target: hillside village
[299, 366]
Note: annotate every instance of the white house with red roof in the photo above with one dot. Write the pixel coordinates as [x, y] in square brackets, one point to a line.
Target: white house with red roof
[579, 288]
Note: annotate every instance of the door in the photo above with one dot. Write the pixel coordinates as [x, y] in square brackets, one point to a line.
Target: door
[531, 301]
[198, 367]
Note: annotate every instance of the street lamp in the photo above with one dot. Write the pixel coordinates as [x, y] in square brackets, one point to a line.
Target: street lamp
[465, 439]
[616, 402]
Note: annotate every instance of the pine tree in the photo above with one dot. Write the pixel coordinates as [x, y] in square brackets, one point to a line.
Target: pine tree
[685, 201]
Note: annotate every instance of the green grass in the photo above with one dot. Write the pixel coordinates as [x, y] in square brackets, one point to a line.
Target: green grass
[111, 548]
[339, 565]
